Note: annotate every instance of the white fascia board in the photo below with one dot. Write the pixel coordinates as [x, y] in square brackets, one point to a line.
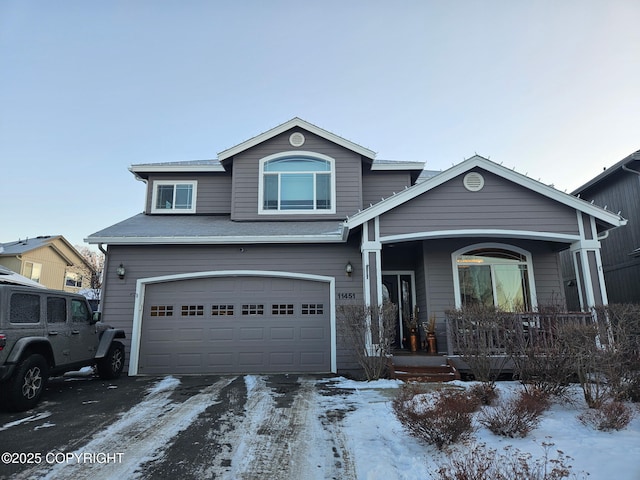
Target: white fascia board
[499, 170]
[397, 166]
[482, 232]
[295, 122]
[231, 240]
[176, 168]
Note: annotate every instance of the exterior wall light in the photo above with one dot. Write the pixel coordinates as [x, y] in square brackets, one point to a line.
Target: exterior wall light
[120, 271]
[348, 268]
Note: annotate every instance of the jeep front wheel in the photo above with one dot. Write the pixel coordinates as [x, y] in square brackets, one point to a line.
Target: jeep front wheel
[27, 383]
[112, 364]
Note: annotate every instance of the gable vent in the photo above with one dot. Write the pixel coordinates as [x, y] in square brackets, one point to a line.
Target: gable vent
[296, 139]
[473, 181]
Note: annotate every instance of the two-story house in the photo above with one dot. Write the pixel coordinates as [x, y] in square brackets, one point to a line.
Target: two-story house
[49, 260]
[237, 264]
[617, 188]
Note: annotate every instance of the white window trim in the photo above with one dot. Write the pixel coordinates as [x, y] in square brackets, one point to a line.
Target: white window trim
[503, 246]
[296, 153]
[174, 210]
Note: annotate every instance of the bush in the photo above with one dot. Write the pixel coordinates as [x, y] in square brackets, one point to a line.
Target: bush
[441, 418]
[370, 332]
[609, 416]
[480, 463]
[516, 417]
[486, 393]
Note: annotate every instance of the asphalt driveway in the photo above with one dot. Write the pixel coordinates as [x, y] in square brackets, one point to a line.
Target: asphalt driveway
[179, 427]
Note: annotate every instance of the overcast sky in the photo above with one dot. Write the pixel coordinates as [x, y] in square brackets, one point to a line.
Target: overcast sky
[88, 88]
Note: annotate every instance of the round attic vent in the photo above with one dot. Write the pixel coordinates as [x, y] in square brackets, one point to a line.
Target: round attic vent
[296, 139]
[473, 181]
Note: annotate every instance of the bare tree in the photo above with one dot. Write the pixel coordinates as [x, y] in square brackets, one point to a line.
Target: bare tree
[95, 260]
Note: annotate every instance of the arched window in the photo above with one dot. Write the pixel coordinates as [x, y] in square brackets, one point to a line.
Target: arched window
[494, 276]
[297, 183]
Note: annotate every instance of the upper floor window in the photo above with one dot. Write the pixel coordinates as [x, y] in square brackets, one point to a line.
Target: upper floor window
[174, 197]
[32, 271]
[297, 183]
[494, 277]
[73, 280]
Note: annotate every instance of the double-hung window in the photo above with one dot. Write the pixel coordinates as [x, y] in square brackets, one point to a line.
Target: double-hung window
[174, 197]
[297, 184]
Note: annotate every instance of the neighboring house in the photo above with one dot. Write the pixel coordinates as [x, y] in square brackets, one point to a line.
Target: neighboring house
[237, 264]
[617, 189]
[49, 260]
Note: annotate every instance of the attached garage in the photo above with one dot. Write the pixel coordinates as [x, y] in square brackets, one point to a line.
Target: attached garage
[233, 323]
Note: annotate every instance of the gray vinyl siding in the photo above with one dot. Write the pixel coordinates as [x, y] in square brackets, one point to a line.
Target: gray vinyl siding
[246, 167]
[152, 261]
[499, 205]
[620, 192]
[214, 191]
[382, 184]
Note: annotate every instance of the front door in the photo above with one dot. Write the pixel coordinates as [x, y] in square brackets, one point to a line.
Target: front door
[399, 289]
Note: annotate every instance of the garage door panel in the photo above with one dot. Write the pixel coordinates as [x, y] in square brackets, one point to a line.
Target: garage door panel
[236, 325]
[282, 333]
[221, 333]
[312, 333]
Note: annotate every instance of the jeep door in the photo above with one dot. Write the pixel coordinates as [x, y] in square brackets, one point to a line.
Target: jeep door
[84, 335]
[58, 330]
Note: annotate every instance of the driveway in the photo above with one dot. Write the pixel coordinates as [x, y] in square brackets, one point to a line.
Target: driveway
[249, 427]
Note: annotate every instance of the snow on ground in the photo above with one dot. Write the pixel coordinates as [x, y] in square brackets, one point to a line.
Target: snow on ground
[334, 428]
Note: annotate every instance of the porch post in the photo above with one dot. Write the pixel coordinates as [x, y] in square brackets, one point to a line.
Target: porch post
[587, 263]
[371, 269]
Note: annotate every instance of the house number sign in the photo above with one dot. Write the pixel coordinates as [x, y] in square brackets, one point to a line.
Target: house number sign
[346, 296]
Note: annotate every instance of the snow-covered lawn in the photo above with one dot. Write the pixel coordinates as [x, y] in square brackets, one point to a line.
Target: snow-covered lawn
[382, 450]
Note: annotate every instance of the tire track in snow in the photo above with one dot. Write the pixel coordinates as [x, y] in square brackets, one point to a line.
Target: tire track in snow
[286, 442]
[141, 433]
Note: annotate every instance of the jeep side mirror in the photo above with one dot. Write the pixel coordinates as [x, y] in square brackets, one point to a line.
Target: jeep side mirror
[96, 317]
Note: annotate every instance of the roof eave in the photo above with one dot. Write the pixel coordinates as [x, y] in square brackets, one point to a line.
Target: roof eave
[217, 240]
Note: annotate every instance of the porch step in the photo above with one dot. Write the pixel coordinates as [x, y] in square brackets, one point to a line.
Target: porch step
[426, 373]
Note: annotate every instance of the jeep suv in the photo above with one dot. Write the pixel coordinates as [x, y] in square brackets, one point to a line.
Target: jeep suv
[49, 332]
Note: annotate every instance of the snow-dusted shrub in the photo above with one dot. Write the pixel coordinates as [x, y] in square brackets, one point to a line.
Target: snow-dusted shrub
[370, 332]
[481, 463]
[515, 417]
[486, 393]
[440, 419]
[609, 416]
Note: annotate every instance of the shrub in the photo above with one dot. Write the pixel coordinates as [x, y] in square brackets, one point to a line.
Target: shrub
[516, 417]
[609, 416]
[479, 334]
[485, 393]
[370, 332]
[441, 418]
[480, 463]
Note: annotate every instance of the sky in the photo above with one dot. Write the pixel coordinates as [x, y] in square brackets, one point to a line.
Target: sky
[88, 88]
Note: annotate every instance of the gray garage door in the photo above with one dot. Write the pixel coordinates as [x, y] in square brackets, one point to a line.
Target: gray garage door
[236, 325]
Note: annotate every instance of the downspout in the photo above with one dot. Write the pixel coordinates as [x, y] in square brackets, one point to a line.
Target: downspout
[104, 277]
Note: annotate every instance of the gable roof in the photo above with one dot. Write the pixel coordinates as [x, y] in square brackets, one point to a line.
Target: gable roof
[409, 193]
[295, 122]
[623, 164]
[20, 247]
